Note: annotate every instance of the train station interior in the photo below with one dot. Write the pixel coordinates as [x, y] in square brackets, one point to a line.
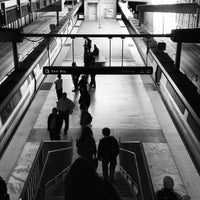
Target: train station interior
[147, 93]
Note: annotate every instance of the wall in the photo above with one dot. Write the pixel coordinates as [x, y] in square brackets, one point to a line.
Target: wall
[107, 8]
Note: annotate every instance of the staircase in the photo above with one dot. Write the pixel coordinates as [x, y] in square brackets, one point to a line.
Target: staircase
[122, 188]
[119, 189]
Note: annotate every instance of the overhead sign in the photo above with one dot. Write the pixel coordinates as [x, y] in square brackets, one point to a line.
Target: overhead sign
[97, 70]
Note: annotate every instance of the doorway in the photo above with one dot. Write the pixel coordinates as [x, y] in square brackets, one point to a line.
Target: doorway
[92, 11]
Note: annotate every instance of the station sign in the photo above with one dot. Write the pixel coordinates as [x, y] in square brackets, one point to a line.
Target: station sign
[98, 70]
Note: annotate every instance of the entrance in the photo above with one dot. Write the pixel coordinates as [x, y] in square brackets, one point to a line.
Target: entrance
[92, 11]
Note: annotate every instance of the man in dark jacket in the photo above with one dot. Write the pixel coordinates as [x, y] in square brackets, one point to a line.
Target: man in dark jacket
[54, 125]
[108, 150]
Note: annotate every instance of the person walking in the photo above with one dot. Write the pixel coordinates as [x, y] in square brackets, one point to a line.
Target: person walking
[91, 64]
[168, 192]
[65, 107]
[75, 78]
[54, 125]
[108, 150]
[59, 86]
[83, 83]
[84, 99]
[86, 145]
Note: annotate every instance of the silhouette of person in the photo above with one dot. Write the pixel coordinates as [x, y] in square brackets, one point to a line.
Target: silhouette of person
[59, 86]
[86, 118]
[54, 125]
[89, 43]
[95, 51]
[84, 99]
[83, 83]
[86, 146]
[75, 78]
[108, 150]
[82, 182]
[65, 107]
[91, 64]
[168, 192]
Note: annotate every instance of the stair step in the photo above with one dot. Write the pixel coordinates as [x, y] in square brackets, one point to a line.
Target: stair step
[57, 198]
[122, 188]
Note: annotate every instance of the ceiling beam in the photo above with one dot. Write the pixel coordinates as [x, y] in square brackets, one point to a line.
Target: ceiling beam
[189, 8]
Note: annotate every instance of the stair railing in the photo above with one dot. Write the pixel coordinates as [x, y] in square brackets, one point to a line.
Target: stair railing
[129, 167]
[56, 165]
[47, 167]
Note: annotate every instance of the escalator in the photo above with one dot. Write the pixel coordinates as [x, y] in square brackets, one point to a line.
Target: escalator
[46, 178]
[117, 190]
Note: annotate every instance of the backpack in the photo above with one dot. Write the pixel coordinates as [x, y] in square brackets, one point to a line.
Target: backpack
[89, 118]
[86, 118]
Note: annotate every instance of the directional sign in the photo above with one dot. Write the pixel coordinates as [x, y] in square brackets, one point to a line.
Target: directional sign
[97, 70]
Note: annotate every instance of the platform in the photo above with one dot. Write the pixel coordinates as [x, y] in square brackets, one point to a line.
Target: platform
[128, 104]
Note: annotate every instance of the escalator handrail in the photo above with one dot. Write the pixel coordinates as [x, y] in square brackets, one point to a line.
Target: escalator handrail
[63, 171]
[139, 184]
[147, 171]
[40, 183]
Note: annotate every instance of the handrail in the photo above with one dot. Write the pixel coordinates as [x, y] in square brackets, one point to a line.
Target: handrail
[147, 169]
[131, 174]
[33, 180]
[110, 36]
[41, 184]
[64, 170]
[37, 165]
[142, 167]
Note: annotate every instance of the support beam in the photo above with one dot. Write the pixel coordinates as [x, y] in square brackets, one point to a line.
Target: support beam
[186, 35]
[57, 6]
[178, 56]
[10, 35]
[15, 55]
[187, 8]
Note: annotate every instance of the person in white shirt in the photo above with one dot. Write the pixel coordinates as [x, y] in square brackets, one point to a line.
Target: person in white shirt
[65, 107]
[59, 86]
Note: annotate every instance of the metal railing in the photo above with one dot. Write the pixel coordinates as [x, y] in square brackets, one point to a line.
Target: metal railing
[33, 178]
[128, 163]
[56, 164]
[47, 166]
[109, 37]
[133, 165]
